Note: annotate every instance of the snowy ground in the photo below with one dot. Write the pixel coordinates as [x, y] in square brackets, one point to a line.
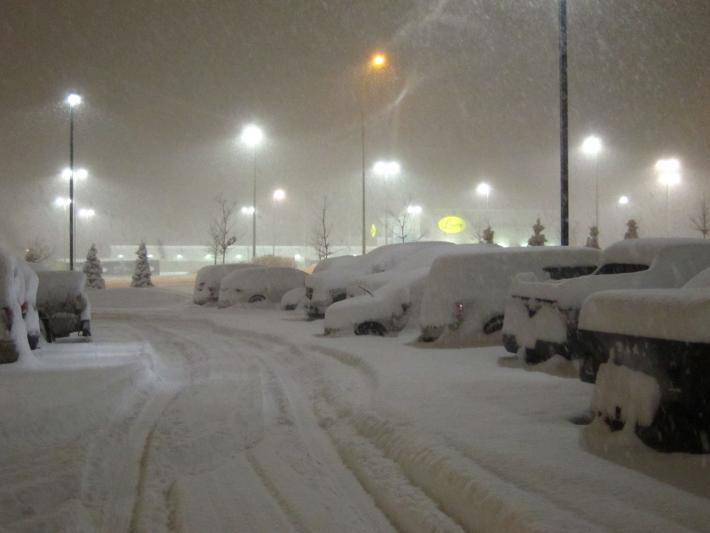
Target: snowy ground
[181, 418]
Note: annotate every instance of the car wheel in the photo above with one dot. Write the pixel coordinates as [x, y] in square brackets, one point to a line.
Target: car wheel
[46, 330]
[33, 341]
[257, 298]
[85, 328]
[370, 328]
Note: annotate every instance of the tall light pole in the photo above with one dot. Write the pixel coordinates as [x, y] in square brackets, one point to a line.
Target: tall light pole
[377, 62]
[387, 170]
[278, 197]
[73, 178]
[592, 147]
[668, 175]
[484, 189]
[252, 136]
[564, 129]
[73, 100]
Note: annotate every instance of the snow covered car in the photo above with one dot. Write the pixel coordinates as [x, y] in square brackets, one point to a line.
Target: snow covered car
[293, 299]
[208, 280]
[251, 285]
[13, 331]
[383, 303]
[541, 318]
[63, 305]
[465, 295]
[330, 284]
[29, 305]
[649, 353]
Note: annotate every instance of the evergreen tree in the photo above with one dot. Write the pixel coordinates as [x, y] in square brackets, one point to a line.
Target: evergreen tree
[141, 275]
[593, 239]
[488, 235]
[538, 238]
[632, 231]
[93, 270]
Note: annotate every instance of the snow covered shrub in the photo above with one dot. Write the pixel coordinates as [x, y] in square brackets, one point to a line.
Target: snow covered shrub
[141, 274]
[538, 238]
[632, 230]
[275, 261]
[488, 235]
[94, 270]
[593, 238]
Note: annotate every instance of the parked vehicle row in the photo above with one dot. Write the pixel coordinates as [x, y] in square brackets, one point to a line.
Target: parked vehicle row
[638, 329]
[32, 303]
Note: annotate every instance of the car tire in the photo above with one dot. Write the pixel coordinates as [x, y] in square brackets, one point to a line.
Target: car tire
[257, 298]
[85, 328]
[370, 328]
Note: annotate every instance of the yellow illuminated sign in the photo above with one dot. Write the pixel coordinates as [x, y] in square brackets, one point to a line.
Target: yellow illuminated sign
[373, 231]
[452, 225]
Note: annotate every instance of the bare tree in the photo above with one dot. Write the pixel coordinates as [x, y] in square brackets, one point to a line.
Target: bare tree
[38, 251]
[321, 239]
[221, 236]
[701, 221]
[593, 238]
[632, 230]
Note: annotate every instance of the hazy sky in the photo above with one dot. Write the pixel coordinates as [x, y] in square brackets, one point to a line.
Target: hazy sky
[471, 94]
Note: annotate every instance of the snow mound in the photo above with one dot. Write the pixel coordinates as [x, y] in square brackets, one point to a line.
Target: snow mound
[625, 395]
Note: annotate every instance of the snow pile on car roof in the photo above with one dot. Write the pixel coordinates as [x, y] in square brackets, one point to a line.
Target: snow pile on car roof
[59, 286]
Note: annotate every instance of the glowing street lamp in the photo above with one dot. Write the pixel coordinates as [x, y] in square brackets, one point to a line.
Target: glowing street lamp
[591, 147]
[73, 100]
[623, 200]
[414, 210]
[252, 137]
[279, 195]
[668, 171]
[377, 62]
[484, 189]
[248, 210]
[86, 213]
[61, 201]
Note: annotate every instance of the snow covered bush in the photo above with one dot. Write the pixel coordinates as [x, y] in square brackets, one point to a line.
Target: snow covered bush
[141, 274]
[632, 230]
[274, 261]
[538, 237]
[593, 238]
[94, 270]
[488, 236]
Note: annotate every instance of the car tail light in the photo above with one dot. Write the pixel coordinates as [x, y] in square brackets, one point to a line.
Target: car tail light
[458, 311]
[7, 313]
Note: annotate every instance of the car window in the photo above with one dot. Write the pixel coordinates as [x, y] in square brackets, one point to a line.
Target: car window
[566, 272]
[620, 268]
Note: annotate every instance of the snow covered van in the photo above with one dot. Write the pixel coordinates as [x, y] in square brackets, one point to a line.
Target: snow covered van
[63, 304]
[252, 285]
[208, 279]
[383, 303]
[648, 351]
[13, 331]
[465, 295]
[330, 285]
[541, 317]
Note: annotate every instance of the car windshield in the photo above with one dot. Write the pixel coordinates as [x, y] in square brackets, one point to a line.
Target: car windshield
[620, 268]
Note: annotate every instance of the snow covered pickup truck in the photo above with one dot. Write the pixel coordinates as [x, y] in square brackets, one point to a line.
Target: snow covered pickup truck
[63, 305]
[465, 294]
[541, 317]
[330, 285]
[18, 286]
[649, 353]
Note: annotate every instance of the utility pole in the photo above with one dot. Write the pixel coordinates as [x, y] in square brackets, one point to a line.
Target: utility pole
[564, 129]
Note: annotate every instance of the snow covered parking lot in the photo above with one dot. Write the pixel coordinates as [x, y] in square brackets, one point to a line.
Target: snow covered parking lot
[184, 418]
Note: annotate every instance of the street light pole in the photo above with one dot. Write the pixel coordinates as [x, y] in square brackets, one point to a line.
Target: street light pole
[564, 132]
[71, 187]
[253, 214]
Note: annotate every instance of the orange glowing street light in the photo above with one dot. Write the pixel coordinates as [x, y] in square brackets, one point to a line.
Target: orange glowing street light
[378, 61]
